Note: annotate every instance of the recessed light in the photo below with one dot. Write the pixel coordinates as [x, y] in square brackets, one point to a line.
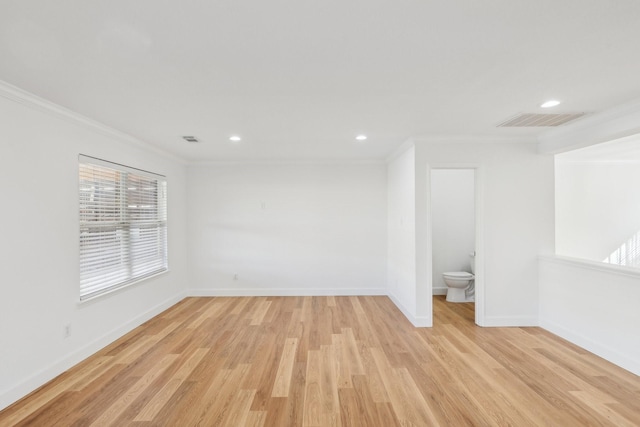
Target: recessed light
[235, 138]
[361, 137]
[550, 103]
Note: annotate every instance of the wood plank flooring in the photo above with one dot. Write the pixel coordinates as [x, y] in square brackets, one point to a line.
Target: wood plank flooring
[331, 361]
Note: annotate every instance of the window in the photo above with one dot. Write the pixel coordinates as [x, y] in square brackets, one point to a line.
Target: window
[123, 226]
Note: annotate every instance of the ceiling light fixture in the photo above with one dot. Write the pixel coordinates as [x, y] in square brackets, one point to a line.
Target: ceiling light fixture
[550, 103]
[361, 137]
[235, 138]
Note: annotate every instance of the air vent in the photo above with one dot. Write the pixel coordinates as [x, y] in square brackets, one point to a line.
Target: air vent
[190, 139]
[540, 120]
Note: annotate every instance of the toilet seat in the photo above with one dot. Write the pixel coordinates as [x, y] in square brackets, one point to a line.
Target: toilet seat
[459, 275]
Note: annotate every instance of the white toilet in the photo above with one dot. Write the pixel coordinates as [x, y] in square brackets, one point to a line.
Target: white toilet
[460, 284]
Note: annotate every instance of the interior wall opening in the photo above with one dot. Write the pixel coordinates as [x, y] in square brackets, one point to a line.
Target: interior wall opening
[453, 231]
[598, 203]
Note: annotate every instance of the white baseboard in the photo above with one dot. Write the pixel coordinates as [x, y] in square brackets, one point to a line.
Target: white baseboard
[440, 291]
[284, 292]
[11, 395]
[626, 362]
[418, 322]
[510, 321]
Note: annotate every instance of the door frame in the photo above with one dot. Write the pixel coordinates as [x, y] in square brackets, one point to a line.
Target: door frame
[479, 236]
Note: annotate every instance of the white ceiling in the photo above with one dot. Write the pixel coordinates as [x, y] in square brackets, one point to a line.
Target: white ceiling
[298, 79]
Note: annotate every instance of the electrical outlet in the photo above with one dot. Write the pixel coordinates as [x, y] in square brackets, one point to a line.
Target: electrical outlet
[67, 330]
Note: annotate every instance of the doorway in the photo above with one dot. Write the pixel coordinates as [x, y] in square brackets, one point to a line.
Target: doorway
[454, 233]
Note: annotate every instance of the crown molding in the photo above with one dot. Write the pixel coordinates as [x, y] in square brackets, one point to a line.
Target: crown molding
[608, 125]
[286, 162]
[598, 162]
[399, 150]
[476, 139]
[20, 96]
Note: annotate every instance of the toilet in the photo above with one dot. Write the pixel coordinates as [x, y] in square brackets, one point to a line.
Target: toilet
[460, 284]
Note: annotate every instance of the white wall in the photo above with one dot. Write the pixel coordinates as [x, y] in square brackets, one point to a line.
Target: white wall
[287, 229]
[401, 211]
[39, 246]
[597, 208]
[594, 306]
[453, 222]
[517, 210]
[589, 303]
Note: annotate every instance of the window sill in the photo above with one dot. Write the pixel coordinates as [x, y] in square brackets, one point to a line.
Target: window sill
[121, 288]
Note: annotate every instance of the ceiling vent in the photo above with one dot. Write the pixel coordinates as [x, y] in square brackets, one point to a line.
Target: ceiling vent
[540, 120]
[190, 139]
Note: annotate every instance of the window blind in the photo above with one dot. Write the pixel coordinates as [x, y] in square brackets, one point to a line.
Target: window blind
[123, 226]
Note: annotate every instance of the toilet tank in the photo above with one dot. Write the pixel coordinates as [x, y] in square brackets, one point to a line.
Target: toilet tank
[472, 262]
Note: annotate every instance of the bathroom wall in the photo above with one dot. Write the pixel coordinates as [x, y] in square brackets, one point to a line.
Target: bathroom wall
[453, 222]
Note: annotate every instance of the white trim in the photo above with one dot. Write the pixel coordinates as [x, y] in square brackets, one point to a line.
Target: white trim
[626, 362]
[400, 150]
[35, 102]
[439, 291]
[586, 264]
[418, 322]
[13, 394]
[598, 162]
[124, 287]
[480, 288]
[421, 322]
[285, 162]
[429, 241]
[510, 321]
[476, 139]
[270, 292]
[614, 123]
[480, 315]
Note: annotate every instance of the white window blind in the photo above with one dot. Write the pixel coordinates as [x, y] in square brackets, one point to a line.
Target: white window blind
[123, 226]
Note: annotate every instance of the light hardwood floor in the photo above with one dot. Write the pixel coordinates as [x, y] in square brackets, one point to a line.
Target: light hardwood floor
[331, 361]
